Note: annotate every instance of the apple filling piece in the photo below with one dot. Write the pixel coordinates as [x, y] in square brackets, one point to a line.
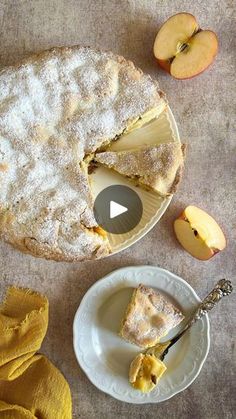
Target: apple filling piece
[145, 372]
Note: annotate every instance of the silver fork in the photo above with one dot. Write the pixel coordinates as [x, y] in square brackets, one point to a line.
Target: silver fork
[222, 288]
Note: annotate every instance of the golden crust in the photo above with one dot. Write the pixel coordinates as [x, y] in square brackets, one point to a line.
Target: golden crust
[179, 172]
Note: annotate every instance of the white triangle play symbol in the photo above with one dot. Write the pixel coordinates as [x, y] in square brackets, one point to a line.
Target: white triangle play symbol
[116, 209]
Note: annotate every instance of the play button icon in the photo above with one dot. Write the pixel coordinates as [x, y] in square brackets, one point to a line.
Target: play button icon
[118, 209]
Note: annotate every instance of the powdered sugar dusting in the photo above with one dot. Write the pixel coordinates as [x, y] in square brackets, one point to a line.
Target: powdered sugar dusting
[154, 166]
[149, 317]
[54, 110]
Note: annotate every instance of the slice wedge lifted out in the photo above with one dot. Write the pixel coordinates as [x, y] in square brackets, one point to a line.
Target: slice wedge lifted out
[158, 168]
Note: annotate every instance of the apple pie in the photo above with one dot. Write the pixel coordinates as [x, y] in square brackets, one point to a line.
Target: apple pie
[149, 317]
[56, 109]
[156, 167]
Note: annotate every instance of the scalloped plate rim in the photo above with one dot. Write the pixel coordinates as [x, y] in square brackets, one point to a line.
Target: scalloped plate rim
[104, 279]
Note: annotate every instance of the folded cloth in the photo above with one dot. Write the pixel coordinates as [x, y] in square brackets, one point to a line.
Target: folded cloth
[30, 385]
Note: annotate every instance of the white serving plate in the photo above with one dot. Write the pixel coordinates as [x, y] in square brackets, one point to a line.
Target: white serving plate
[163, 129]
[105, 357]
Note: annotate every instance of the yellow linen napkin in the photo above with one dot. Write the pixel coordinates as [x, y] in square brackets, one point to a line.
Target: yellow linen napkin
[30, 385]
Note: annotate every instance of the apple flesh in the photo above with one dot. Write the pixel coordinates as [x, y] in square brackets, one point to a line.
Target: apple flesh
[199, 233]
[182, 48]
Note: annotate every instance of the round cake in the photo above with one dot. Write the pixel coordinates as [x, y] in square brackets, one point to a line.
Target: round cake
[57, 109]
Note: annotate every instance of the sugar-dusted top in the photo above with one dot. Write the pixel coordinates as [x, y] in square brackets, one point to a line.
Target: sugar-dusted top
[158, 166]
[149, 317]
[55, 108]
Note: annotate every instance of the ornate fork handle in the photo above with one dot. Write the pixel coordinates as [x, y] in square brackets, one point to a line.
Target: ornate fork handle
[222, 288]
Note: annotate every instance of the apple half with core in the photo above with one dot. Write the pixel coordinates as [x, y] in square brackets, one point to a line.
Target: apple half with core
[182, 48]
[199, 233]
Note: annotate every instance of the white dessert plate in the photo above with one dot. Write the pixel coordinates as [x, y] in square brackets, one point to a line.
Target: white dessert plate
[160, 130]
[105, 357]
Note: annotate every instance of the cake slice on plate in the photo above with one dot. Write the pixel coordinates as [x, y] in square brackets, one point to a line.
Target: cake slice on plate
[157, 167]
[149, 317]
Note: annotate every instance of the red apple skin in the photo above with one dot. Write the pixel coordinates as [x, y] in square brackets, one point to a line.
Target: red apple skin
[181, 216]
[215, 251]
[188, 78]
[165, 65]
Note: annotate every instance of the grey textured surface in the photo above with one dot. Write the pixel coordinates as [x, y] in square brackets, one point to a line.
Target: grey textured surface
[204, 108]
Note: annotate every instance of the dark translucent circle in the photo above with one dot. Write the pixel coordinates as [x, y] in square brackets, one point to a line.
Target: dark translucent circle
[122, 195]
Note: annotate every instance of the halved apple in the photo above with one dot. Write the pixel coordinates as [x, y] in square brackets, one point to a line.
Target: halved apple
[199, 233]
[182, 48]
